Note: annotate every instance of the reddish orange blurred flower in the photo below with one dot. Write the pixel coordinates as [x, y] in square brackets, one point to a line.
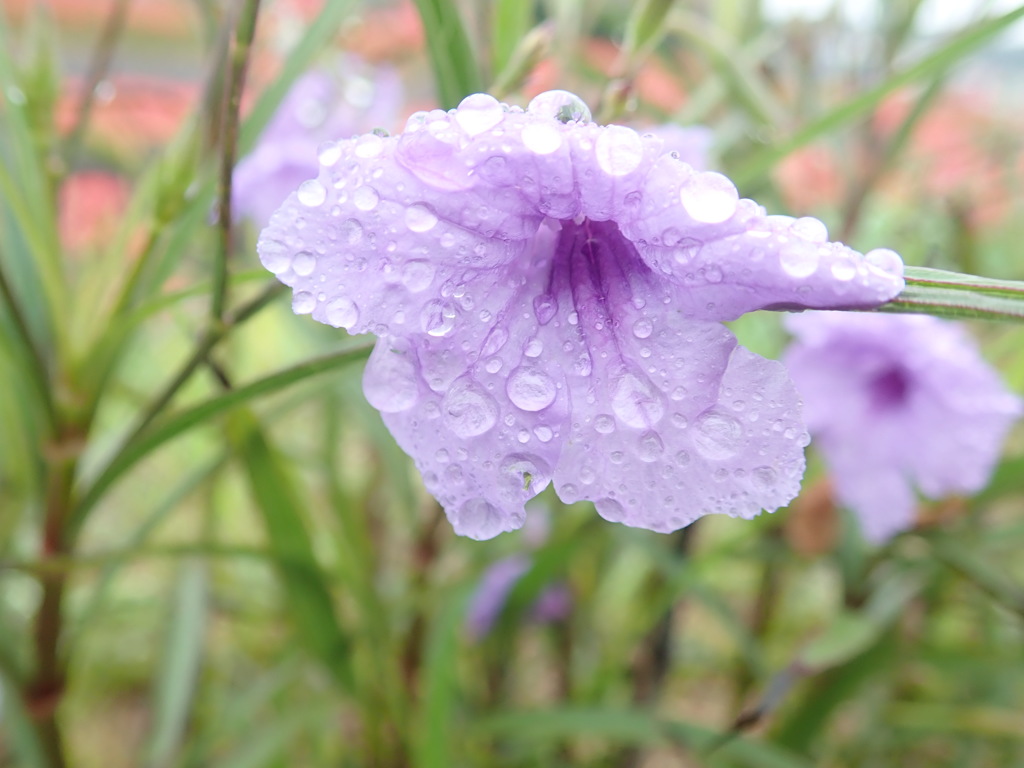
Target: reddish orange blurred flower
[134, 111]
[961, 152]
[809, 179]
[91, 203]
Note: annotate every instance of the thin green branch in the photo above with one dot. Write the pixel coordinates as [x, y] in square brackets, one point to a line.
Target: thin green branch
[959, 296]
[244, 33]
[141, 445]
[102, 55]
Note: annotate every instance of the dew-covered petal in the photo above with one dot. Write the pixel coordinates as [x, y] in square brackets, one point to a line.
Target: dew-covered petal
[492, 406]
[670, 419]
[733, 258]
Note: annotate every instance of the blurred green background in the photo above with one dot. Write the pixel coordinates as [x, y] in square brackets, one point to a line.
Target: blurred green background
[212, 553]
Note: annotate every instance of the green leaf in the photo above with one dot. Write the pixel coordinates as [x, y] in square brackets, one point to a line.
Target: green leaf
[265, 745]
[183, 651]
[852, 633]
[30, 253]
[17, 726]
[169, 501]
[848, 635]
[972, 564]
[279, 502]
[630, 727]
[199, 415]
[645, 26]
[951, 294]
[456, 73]
[510, 21]
[928, 67]
[434, 739]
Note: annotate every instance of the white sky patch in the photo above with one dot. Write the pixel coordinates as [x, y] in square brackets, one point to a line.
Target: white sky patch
[935, 17]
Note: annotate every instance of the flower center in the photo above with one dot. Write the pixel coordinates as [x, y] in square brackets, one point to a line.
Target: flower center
[890, 388]
[600, 269]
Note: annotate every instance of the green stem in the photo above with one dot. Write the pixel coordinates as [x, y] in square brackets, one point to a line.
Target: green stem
[244, 33]
[45, 688]
[959, 296]
[98, 67]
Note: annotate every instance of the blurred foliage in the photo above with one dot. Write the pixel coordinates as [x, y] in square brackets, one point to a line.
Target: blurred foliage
[211, 550]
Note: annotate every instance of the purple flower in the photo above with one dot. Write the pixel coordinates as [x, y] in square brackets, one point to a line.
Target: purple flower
[322, 105]
[497, 583]
[548, 295]
[895, 402]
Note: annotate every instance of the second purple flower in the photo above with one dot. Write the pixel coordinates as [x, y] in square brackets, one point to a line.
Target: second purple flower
[548, 295]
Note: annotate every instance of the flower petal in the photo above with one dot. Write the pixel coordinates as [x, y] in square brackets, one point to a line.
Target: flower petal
[894, 401]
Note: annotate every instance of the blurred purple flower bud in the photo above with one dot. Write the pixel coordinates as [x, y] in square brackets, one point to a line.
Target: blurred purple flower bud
[488, 601]
[894, 402]
[548, 295]
[322, 106]
[691, 143]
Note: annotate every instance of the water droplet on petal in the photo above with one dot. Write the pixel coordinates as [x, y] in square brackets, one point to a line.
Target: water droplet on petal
[718, 435]
[342, 313]
[495, 340]
[604, 423]
[810, 228]
[650, 446]
[274, 255]
[365, 198]
[541, 138]
[610, 510]
[533, 347]
[329, 154]
[467, 408]
[844, 267]
[530, 389]
[369, 145]
[709, 197]
[419, 218]
[311, 193]
[351, 231]
[885, 260]
[390, 380]
[764, 476]
[543, 433]
[545, 307]
[799, 259]
[493, 365]
[304, 263]
[561, 105]
[523, 476]
[303, 303]
[619, 150]
[686, 249]
[418, 275]
[438, 317]
[479, 113]
[636, 402]
[479, 519]
[643, 328]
